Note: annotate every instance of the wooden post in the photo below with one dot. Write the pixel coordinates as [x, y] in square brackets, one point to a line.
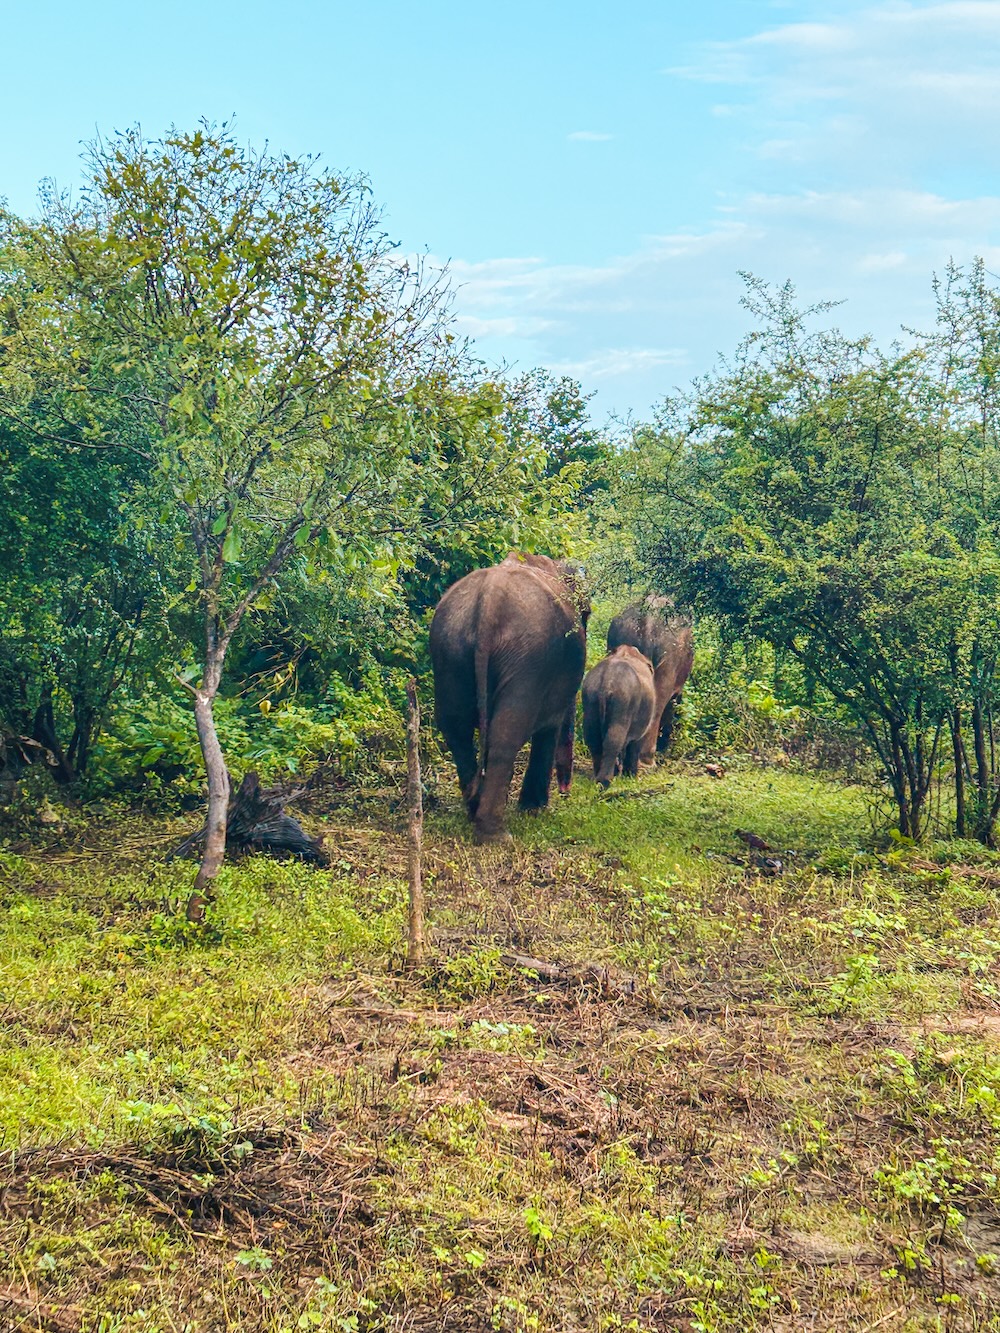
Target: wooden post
[416, 940]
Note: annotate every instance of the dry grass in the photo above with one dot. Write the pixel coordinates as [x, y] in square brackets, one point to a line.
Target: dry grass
[783, 1114]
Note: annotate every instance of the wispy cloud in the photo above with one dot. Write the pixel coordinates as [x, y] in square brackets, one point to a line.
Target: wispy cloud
[856, 157]
[589, 136]
[639, 324]
[615, 362]
[506, 326]
[895, 83]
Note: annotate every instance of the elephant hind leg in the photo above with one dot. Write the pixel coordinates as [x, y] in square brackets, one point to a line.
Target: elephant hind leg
[493, 789]
[460, 737]
[538, 779]
[564, 750]
[666, 727]
[661, 688]
[593, 736]
[630, 759]
[614, 745]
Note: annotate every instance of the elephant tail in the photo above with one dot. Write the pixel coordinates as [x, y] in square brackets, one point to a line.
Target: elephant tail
[593, 724]
[615, 729]
[483, 703]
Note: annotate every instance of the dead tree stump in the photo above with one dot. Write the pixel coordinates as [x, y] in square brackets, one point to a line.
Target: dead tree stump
[257, 822]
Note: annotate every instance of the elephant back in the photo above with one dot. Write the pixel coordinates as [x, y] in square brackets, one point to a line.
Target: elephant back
[657, 630]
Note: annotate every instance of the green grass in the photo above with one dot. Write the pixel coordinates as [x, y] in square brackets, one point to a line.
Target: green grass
[782, 1110]
[681, 814]
[118, 1003]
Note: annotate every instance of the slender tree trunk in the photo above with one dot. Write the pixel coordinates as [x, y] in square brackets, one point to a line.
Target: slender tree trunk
[913, 781]
[959, 750]
[979, 739]
[78, 750]
[416, 940]
[218, 787]
[44, 731]
[899, 784]
[983, 821]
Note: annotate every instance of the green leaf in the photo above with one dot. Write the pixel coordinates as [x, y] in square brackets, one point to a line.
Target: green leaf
[232, 546]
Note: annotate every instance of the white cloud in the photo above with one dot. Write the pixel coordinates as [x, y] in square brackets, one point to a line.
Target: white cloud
[808, 37]
[855, 157]
[892, 85]
[589, 136]
[510, 326]
[878, 263]
[615, 362]
[782, 150]
[638, 324]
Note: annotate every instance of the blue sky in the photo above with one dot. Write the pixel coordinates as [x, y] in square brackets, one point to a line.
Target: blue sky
[596, 174]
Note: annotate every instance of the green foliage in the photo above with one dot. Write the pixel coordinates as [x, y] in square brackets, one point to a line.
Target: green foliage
[257, 434]
[82, 608]
[838, 505]
[744, 696]
[539, 1231]
[559, 419]
[151, 748]
[469, 974]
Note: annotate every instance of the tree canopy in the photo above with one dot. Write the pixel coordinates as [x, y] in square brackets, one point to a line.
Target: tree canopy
[243, 455]
[227, 340]
[839, 504]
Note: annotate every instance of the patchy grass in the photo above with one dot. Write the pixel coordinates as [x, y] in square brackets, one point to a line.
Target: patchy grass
[777, 1107]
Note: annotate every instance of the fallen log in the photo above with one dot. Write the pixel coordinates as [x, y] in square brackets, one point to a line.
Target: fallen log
[16, 754]
[576, 974]
[257, 822]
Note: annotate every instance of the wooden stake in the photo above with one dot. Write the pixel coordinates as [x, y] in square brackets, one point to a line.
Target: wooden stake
[416, 939]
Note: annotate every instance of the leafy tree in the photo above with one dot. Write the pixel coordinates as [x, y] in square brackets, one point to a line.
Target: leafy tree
[81, 606]
[505, 493]
[557, 413]
[239, 323]
[964, 356]
[825, 499]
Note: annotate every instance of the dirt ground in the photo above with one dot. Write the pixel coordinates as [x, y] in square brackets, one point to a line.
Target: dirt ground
[733, 1100]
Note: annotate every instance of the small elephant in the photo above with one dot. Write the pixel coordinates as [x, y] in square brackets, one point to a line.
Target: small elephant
[666, 638]
[618, 702]
[508, 646]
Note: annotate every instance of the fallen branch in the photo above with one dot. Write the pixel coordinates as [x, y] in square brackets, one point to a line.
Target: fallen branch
[958, 871]
[610, 987]
[576, 974]
[57, 1316]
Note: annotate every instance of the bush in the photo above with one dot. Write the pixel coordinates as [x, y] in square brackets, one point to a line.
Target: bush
[151, 746]
[740, 699]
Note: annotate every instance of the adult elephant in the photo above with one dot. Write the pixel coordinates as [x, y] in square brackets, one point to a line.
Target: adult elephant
[508, 647]
[665, 637]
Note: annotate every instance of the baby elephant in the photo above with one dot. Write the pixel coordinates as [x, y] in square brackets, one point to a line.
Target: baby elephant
[618, 703]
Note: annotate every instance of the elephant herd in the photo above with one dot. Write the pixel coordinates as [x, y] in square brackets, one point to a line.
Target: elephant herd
[508, 647]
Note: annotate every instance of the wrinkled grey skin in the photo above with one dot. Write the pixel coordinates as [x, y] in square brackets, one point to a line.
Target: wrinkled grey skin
[618, 703]
[666, 638]
[508, 647]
